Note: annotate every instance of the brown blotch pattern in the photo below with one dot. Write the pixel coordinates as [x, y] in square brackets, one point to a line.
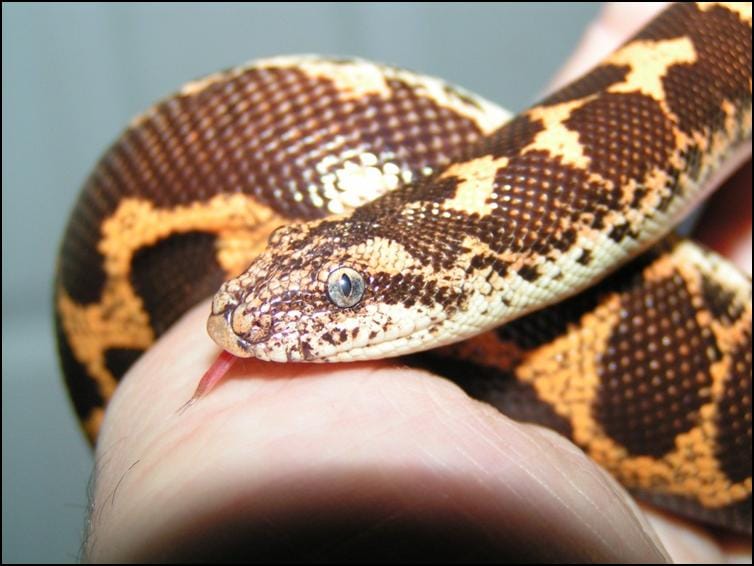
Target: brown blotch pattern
[695, 92]
[87, 397]
[408, 290]
[164, 275]
[654, 373]
[721, 302]
[659, 344]
[528, 221]
[533, 221]
[734, 414]
[118, 360]
[625, 135]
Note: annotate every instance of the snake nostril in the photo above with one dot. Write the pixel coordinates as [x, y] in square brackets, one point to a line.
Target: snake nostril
[252, 326]
[220, 329]
[224, 301]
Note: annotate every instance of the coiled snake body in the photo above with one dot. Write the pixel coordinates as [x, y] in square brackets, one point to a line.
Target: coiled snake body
[447, 225]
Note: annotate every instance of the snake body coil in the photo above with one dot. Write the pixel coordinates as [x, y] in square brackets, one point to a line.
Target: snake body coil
[447, 225]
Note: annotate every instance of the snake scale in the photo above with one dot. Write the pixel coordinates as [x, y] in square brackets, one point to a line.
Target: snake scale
[413, 216]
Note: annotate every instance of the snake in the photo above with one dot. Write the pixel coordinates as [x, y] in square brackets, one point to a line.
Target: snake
[348, 210]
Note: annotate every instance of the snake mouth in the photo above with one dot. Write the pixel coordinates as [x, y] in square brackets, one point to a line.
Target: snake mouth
[220, 328]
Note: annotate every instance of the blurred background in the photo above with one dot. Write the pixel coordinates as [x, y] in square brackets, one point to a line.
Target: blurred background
[74, 75]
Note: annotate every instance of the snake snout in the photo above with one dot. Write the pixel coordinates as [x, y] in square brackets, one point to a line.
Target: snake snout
[239, 320]
[227, 324]
[220, 329]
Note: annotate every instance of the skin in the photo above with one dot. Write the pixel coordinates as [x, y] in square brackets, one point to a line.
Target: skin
[364, 461]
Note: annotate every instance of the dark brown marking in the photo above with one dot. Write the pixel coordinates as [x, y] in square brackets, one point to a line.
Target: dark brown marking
[733, 440]
[654, 374]
[695, 92]
[118, 360]
[306, 350]
[509, 140]
[619, 232]
[87, 397]
[624, 135]
[327, 337]
[694, 159]
[81, 270]
[674, 190]
[524, 222]
[723, 304]
[407, 289]
[539, 200]
[529, 273]
[481, 261]
[170, 287]
[585, 258]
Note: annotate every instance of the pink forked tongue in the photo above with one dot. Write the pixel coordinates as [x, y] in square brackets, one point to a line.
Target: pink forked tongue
[211, 377]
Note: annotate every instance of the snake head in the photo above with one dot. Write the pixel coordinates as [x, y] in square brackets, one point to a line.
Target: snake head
[330, 291]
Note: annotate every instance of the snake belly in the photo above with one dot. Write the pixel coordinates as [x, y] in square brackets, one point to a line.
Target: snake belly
[452, 224]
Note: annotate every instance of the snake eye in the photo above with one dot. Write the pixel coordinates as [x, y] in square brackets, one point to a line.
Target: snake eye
[345, 287]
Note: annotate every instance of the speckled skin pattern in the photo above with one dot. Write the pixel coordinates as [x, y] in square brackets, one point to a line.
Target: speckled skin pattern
[453, 221]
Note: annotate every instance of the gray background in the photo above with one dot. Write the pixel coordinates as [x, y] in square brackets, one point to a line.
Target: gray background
[73, 75]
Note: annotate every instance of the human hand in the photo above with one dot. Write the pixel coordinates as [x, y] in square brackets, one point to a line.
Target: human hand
[334, 462]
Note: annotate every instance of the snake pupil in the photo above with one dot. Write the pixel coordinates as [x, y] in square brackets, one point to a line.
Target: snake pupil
[345, 285]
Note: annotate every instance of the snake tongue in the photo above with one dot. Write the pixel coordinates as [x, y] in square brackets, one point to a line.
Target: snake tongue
[211, 377]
